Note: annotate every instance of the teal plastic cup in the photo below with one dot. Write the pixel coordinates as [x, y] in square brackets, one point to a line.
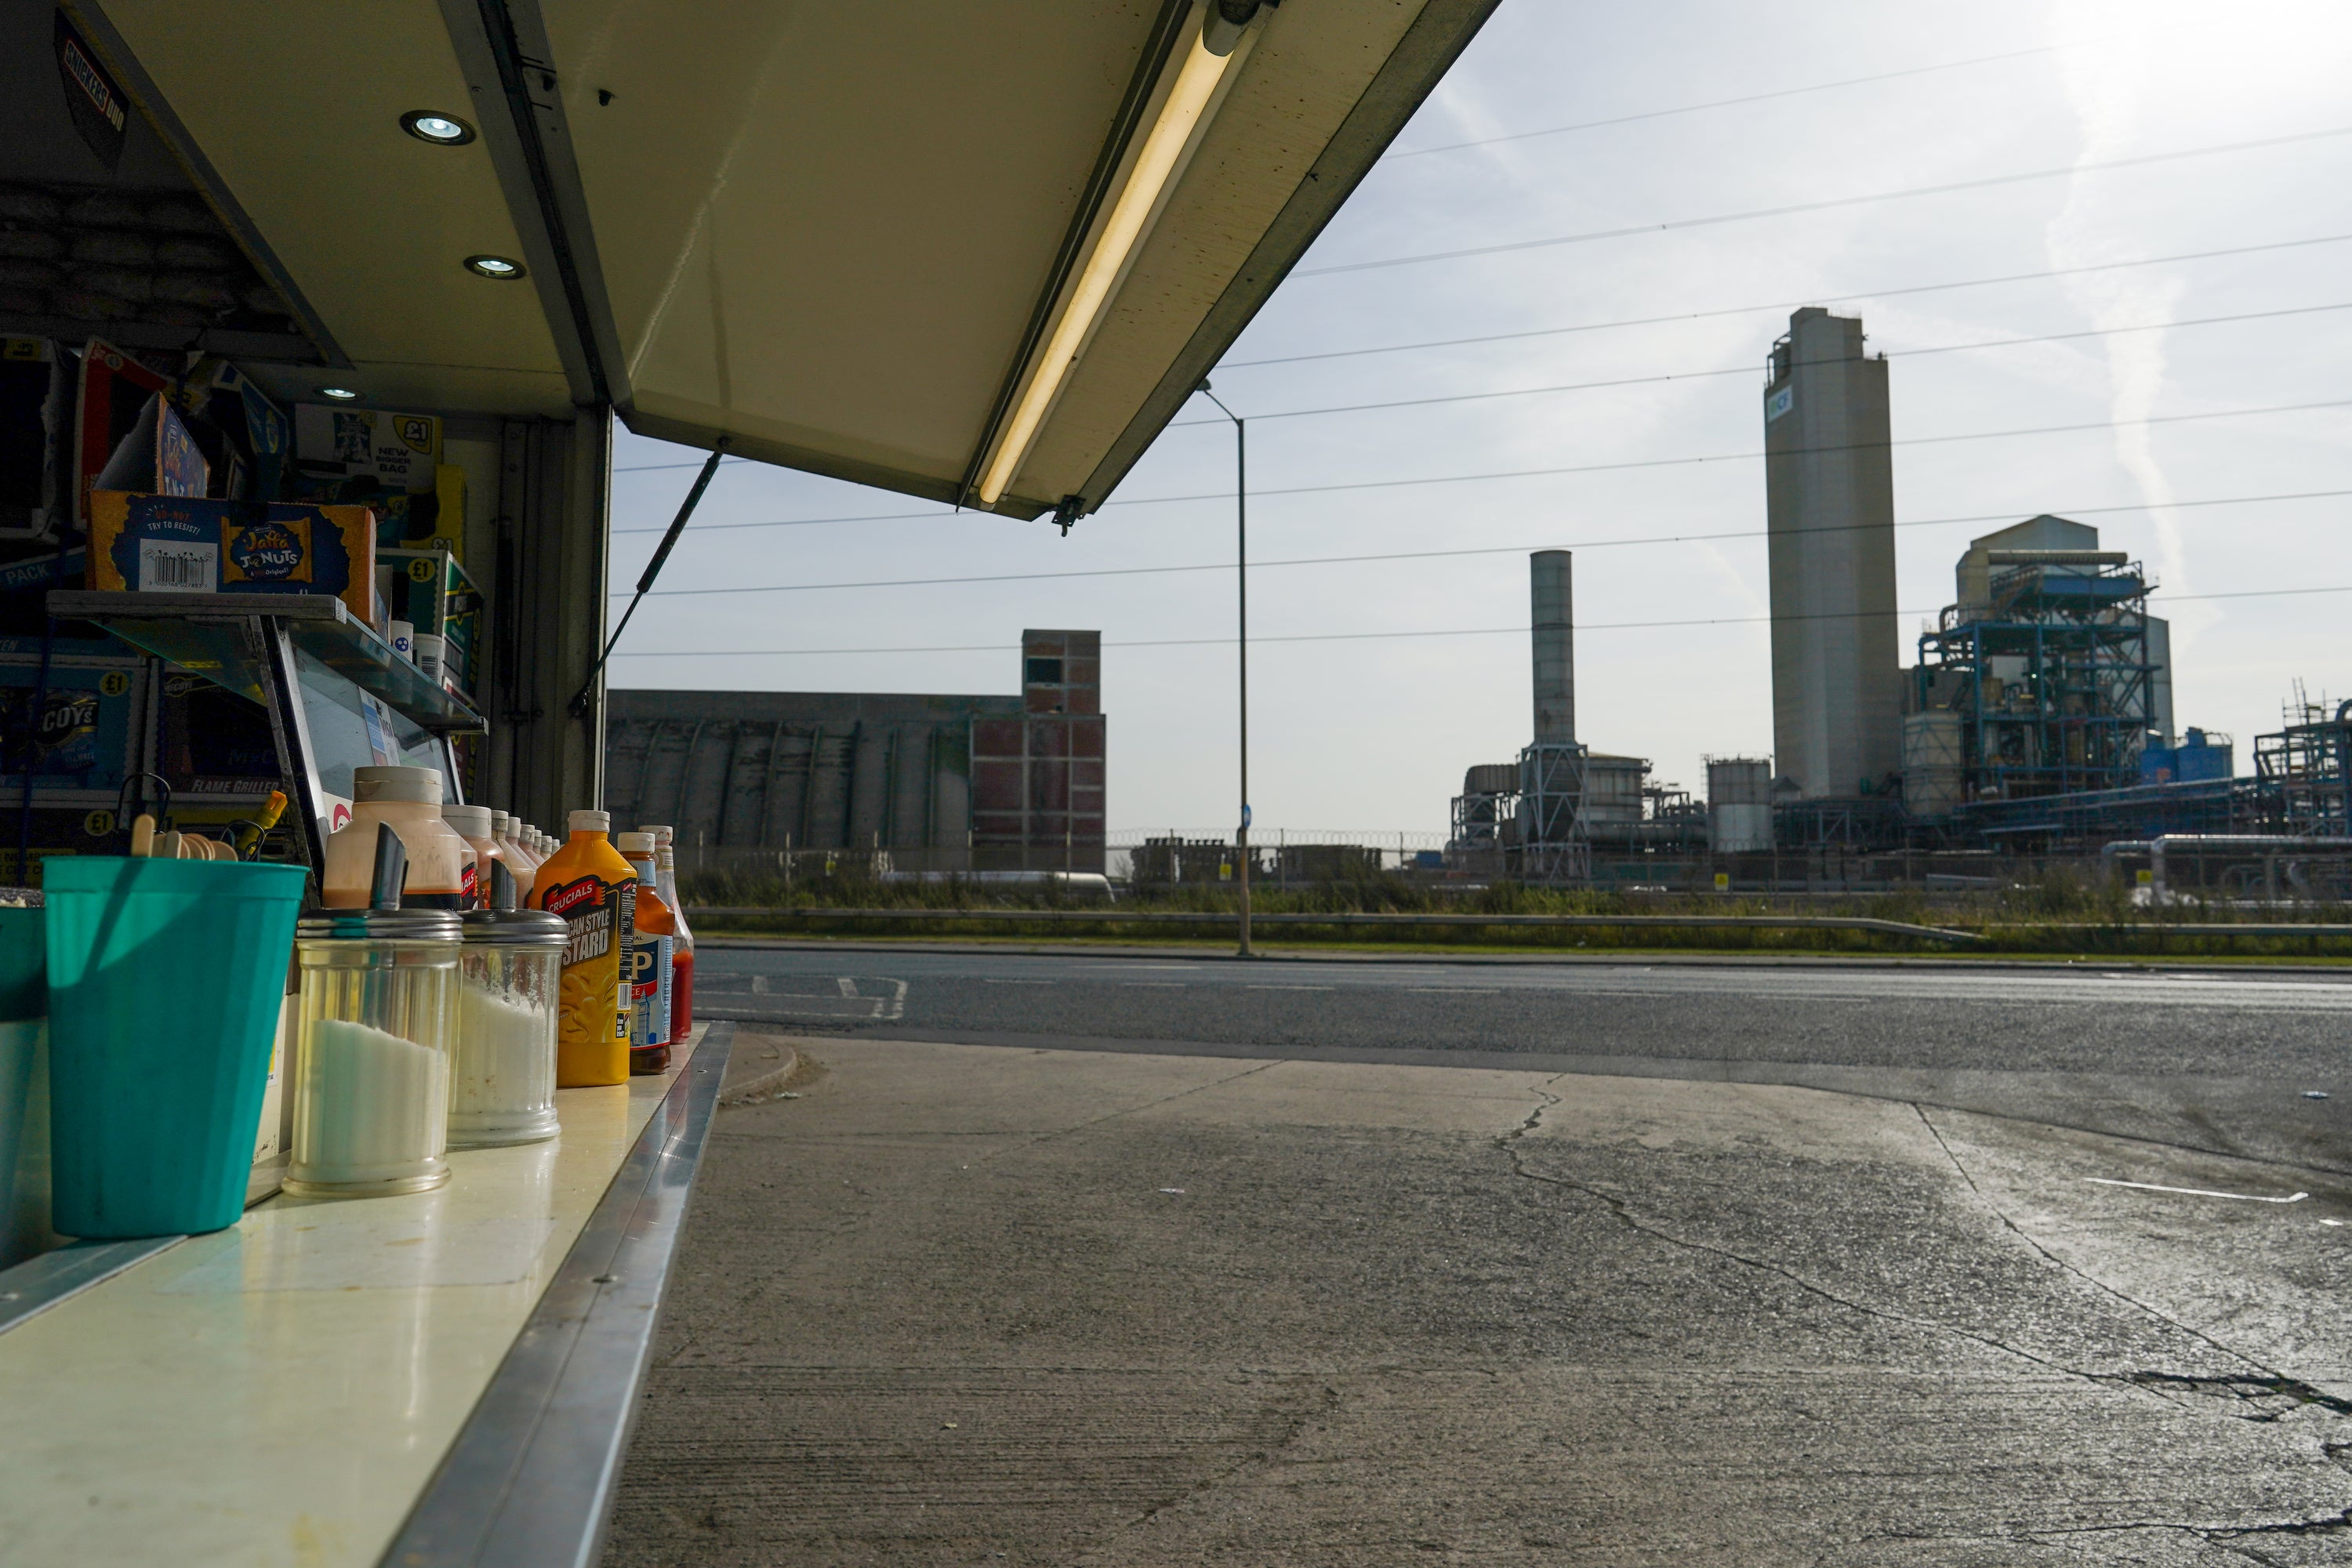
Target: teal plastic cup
[165, 982]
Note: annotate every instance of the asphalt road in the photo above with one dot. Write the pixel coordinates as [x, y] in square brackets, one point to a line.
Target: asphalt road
[2208, 1061]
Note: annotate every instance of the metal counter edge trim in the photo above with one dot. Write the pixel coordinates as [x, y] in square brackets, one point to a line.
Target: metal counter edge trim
[531, 1478]
[54, 1278]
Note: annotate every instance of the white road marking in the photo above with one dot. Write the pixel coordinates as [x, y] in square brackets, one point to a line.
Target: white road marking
[2018, 991]
[1454, 990]
[1290, 988]
[845, 1001]
[2197, 1191]
[1151, 984]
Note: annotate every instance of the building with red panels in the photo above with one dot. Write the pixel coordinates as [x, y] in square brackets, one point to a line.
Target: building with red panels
[1037, 786]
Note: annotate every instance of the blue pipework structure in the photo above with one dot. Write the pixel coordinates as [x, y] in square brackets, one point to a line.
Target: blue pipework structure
[2307, 768]
[2051, 679]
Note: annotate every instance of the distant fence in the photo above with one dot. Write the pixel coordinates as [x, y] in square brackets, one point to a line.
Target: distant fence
[754, 862]
[1278, 858]
[2154, 937]
[1223, 921]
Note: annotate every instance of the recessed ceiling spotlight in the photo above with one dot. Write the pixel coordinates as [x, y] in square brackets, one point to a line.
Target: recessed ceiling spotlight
[494, 266]
[441, 130]
[340, 394]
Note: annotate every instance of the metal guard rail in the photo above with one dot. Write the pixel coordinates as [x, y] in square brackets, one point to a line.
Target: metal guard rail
[1212, 918]
[2182, 928]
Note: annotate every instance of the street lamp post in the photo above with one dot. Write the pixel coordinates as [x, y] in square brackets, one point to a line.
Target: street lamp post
[1241, 568]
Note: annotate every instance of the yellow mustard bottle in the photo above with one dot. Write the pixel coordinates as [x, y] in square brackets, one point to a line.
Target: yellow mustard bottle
[594, 891]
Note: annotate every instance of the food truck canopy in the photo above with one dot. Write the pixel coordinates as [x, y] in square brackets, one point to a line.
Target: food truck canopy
[865, 239]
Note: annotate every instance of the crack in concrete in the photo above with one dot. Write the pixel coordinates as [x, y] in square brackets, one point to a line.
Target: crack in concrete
[1294, 1423]
[2248, 1392]
[2056, 1261]
[2144, 1382]
[2052, 1534]
[2252, 1392]
[2323, 1525]
[2271, 1385]
[1624, 1214]
[1535, 1117]
[1132, 1109]
[2230, 1537]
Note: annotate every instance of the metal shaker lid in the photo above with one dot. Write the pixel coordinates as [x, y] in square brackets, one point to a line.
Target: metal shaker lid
[514, 928]
[379, 925]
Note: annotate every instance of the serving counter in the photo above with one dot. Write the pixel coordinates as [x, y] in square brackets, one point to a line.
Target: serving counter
[436, 1379]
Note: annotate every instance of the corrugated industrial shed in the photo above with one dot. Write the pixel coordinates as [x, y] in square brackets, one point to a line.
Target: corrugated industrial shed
[946, 783]
[802, 770]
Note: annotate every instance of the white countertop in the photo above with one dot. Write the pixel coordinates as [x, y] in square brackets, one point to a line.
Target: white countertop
[280, 1392]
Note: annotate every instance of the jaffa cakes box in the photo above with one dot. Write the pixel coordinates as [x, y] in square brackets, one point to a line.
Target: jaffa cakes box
[194, 544]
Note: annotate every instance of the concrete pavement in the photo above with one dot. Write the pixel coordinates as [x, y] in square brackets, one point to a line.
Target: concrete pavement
[974, 1304]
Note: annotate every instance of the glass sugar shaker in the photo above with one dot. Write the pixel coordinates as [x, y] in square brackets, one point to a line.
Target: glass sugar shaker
[379, 996]
[510, 989]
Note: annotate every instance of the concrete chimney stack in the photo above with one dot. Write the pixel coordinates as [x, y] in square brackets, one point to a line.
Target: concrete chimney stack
[1554, 624]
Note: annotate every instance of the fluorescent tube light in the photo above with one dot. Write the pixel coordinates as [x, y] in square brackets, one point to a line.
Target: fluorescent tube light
[1163, 146]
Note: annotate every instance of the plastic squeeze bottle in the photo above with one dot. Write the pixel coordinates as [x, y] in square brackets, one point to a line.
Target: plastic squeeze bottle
[681, 962]
[521, 860]
[594, 891]
[440, 862]
[647, 971]
[473, 825]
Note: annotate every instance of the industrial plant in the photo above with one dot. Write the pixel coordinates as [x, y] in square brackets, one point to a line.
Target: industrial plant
[2035, 718]
[2032, 718]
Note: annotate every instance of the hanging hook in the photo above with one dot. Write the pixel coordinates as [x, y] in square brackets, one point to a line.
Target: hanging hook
[143, 824]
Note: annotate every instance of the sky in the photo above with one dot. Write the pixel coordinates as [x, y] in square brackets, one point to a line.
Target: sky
[2165, 408]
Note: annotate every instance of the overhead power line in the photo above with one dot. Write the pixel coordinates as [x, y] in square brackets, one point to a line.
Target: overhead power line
[820, 521]
[1581, 469]
[1949, 187]
[1714, 538]
[1591, 327]
[1751, 370]
[1223, 365]
[1607, 326]
[1726, 102]
[1257, 492]
[1520, 630]
[1494, 474]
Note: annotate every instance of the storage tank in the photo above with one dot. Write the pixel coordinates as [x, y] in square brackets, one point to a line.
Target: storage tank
[1738, 804]
[1491, 778]
[1611, 810]
[1932, 762]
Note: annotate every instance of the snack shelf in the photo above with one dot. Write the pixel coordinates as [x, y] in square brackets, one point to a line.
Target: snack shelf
[215, 635]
